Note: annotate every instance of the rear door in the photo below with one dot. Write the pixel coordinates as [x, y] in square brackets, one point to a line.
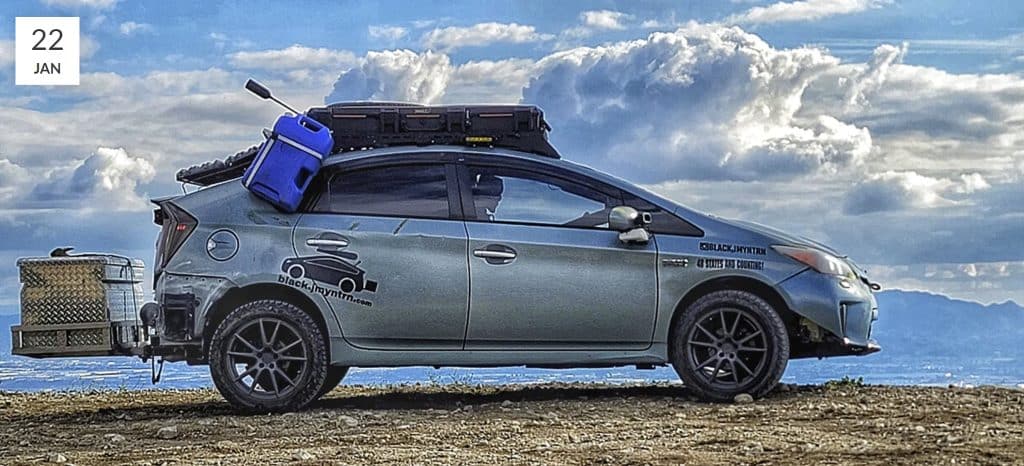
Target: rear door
[545, 270]
[384, 244]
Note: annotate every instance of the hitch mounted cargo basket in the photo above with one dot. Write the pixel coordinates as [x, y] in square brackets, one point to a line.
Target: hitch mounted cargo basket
[80, 305]
[367, 125]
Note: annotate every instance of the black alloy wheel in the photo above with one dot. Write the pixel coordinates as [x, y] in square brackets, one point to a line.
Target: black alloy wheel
[729, 342]
[269, 355]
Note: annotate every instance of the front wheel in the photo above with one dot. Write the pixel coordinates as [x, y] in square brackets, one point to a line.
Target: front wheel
[729, 342]
[269, 355]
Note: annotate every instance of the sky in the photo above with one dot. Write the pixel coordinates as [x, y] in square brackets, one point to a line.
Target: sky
[889, 129]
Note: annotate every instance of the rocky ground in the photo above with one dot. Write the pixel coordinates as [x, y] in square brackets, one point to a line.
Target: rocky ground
[839, 423]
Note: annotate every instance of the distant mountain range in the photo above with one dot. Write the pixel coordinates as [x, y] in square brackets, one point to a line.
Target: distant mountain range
[910, 323]
[921, 323]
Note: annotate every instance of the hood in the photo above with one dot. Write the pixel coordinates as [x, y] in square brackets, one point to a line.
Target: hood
[780, 236]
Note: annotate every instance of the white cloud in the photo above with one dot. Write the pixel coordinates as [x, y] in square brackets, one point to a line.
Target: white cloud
[893, 190]
[400, 75]
[387, 33]
[924, 117]
[423, 23]
[10, 173]
[872, 76]
[107, 179]
[803, 10]
[704, 101]
[972, 182]
[129, 28]
[604, 19]
[594, 21]
[429, 77]
[293, 57]
[481, 34]
[12, 178]
[488, 81]
[896, 191]
[79, 4]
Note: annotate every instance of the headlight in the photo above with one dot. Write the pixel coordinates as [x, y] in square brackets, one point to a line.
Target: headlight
[818, 260]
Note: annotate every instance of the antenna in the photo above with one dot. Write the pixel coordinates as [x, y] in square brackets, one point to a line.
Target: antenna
[262, 92]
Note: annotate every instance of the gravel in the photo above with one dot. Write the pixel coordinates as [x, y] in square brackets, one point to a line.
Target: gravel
[552, 423]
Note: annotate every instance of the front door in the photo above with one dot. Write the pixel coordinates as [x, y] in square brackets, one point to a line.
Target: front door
[382, 246]
[545, 270]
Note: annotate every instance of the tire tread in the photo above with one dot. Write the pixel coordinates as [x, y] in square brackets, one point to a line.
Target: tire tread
[314, 383]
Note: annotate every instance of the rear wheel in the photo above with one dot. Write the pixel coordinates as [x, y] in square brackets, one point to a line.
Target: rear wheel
[729, 342]
[269, 355]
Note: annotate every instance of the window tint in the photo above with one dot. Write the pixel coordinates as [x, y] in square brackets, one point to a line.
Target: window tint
[662, 221]
[518, 196]
[394, 191]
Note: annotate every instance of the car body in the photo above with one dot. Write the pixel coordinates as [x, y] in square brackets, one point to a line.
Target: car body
[494, 257]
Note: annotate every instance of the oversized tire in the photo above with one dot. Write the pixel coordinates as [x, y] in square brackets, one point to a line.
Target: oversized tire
[334, 376]
[269, 356]
[729, 342]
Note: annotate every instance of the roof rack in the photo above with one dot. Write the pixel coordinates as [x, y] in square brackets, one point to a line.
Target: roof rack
[363, 125]
[215, 171]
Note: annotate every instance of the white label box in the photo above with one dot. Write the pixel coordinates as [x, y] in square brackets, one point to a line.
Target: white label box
[46, 51]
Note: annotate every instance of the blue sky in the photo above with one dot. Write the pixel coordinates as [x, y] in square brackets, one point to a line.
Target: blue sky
[891, 129]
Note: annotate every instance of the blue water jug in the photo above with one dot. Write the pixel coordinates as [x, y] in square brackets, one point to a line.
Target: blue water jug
[288, 160]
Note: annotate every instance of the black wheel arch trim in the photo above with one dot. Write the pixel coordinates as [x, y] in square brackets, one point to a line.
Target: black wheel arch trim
[229, 300]
[733, 282]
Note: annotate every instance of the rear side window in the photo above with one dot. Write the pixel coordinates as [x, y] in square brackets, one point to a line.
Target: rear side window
[418, 190]
[517, 196]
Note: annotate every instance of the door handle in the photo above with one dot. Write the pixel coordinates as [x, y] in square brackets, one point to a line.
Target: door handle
[318, 242]
[494, 254]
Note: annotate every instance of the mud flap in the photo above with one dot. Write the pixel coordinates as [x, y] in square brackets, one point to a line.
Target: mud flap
[370, 286]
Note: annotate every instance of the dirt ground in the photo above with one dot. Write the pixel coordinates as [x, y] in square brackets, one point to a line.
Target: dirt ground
[840, 423]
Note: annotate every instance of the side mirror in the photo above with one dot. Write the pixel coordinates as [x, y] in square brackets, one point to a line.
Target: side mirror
[625, 218]
[630, 224]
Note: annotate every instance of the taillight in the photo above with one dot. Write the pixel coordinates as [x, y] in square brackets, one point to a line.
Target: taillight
[177, 225]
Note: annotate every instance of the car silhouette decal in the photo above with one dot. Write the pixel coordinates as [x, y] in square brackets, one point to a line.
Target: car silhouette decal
[330, 273]
[329, 270]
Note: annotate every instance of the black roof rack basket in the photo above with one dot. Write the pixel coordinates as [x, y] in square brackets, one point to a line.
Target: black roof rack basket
[367, 125]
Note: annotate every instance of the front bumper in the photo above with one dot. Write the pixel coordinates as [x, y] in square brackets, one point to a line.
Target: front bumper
[845, 309]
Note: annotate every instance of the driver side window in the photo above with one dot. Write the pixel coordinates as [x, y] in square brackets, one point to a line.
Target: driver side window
[507, 195]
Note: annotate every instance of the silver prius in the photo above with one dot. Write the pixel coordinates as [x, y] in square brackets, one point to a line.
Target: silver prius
[460, 256]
